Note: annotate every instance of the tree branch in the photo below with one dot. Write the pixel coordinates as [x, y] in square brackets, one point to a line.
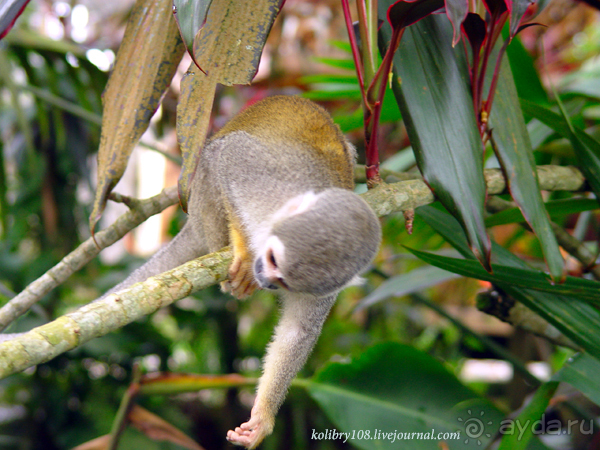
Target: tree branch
[83, 254]
[571, 245]
[115, 311]
[508, 310]
[111, 313]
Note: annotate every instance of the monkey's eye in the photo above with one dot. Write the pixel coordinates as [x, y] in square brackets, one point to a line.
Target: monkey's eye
[271, 258]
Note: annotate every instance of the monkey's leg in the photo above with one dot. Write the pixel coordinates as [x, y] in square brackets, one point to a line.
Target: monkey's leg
[295, 336]
[241, 276]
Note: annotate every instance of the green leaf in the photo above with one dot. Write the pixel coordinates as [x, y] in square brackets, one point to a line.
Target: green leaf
[581, 372]
[394, 388]
[516, 276]
[431, 88]
[556, 209]
[587, 149]
[527, 80]
[447, 227]
[513, 149]
[329, 78]
[456, 10]
[575, 318]
[341, 63]
[415, 280]
[532, 412]
[190, 16]
[517, 11]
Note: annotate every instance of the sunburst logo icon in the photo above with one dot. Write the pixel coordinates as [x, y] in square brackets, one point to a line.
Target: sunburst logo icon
[475, 427]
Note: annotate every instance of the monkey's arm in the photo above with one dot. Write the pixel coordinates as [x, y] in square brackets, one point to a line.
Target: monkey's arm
[295, 336]
[241, 278]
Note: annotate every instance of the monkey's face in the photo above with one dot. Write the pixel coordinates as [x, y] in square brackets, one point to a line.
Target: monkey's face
[321, 249]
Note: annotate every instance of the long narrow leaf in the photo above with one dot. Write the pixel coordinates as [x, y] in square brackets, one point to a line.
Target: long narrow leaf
[413, 281]
[587, 149]
[10, 10]
[556, 209]
[532, 412]
[515, 276]
[438, 111]
[581, 372]
[456, 10]
[575, 318]
[513, 148]
[227, 47]
[190, 16]
[145, 64]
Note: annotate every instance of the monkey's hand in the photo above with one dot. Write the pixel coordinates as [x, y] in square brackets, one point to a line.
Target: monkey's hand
[251, 433]
[241, 276]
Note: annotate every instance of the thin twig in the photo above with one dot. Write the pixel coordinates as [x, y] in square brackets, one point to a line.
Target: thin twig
[83, 254]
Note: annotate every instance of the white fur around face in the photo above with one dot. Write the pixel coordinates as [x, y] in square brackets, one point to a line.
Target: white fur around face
[276, 247]
[296, 205]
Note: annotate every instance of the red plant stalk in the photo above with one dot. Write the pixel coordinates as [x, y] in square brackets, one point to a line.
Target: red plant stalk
[372, 97]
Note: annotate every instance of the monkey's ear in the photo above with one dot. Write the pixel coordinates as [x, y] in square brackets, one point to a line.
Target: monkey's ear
[296, 205]
[356, 281]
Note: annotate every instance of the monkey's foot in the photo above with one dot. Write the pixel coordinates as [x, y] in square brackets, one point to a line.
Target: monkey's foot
[241, 278]
[249, 434]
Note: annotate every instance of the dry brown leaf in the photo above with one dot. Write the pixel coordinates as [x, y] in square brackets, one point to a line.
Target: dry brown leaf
[193, 117]
[156, 428]
[145, 64]
[100, 443]
[228, 49]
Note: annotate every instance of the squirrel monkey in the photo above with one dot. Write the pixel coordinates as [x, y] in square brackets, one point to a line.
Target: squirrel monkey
[275, 183]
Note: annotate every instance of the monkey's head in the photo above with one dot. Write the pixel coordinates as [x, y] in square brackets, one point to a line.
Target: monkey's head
[318, 243]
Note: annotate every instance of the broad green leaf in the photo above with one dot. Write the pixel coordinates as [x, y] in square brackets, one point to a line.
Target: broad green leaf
[587, 149]
[456, 10]
[532, 412]
[413, 281]
[228, 50]
[513, 149]
[430, 86]
[581, 372]
[146, 61]
[394, 388]
[555, 208]
[575, 318]
[527, 80]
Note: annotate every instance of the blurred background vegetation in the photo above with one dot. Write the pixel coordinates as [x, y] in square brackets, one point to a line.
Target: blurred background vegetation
[53, 68]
